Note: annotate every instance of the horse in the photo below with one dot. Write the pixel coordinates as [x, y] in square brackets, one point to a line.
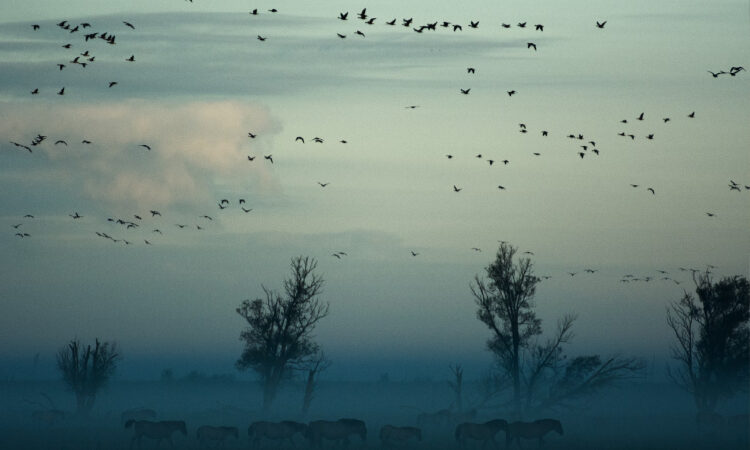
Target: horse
[434, 420]
[530, 430]
[216, 434]
[277, 431]
[390, 435]
[155, 430]
[484, 432]
[339, 431]
[138, 414]
[48, 417]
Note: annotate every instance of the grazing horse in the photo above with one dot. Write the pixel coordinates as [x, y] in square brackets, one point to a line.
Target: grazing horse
[390, 435]
[436, 420]
[138, 414]
[484, 432]
[531, 430]
[155, 430]
[276, 431]
[339, 431]
[48, 417]
[208, 433]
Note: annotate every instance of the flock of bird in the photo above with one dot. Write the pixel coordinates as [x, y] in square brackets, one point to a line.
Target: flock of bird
[582, 146]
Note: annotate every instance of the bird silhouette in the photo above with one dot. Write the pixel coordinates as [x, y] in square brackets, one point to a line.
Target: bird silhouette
[473, 24]
[250, 158]
[112, 83]
[692, 115]
[299, 138]
[501, 187]
[131, 59]
[155, 213]
[600, 24]
[470, 70]
[323, 184]
[522, 24]
[510, 93]
[251, 135]
[261, 38]
[652, 191]
[465, 91]
[343, 16]
[128, 24]
[505, 25]
[268, 157]
[413, 253]
[363, 14]
[342, 36]
[539, 27]
[35, 26]
[246, 210]
[531, 45]
[147, 147]
[456, 189]
[640, 117]
[35, 91]
[716, 74]
[359, 33]
[61, 91]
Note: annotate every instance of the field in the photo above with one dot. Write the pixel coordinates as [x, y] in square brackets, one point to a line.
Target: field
[636, 416]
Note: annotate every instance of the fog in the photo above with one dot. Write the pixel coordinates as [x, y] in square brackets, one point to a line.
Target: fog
[640, 414]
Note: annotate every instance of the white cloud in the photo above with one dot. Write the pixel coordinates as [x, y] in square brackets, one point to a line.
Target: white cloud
[194, 146]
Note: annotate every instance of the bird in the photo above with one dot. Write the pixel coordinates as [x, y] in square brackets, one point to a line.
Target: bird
[510, 93]
[268, 157]
[652, 191]
[456, 189]
[131, 59]
[61, 91]
[273, 10]
[128, 24]
[242, 201]
[470, 70]
[299, 138]
[692, 115]
[710, 214]
[521, 24]
[336, 255]
[501, 187]
[60, 142]
[457, 28]
[206, 217]
[650, 136]
[155, 213]
[465, 91]
[505, 25]
[370, 21]
[250, 158]
[343, 16]
[112, 83]
[246, 210]
[363, 14]
[544, 133]
[359, 33]
[666, 119]
[85, 141]
[505, 162]
[476, 249]
[473, 24]
[323, 184]
[254, 12]
[449, 156]
[391, 22]
[716, 74]
[261, 38]
[342, 36]
[413, 253]
[61, 66]
[35, 26]
[531, 45]
[75, 215]
[147, 147]
[600, 24]
[35, 91]
[640, 117]
[251, 135]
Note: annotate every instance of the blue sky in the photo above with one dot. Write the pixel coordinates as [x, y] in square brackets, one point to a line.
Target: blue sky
[201, 80]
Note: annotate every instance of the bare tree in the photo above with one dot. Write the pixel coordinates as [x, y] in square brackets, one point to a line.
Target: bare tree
[279, 334]
[540, 374]
[87, 370]
[457, 385]
[506, 307]
[314, 366]
[712, 336]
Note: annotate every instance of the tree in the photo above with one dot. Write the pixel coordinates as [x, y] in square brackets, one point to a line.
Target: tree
[279, 334]
[540, 374]
[712, 336]
[314, 366]
[458, 385]
[87, 370]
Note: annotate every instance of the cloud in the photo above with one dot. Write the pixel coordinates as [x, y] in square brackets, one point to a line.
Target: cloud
[195, 146]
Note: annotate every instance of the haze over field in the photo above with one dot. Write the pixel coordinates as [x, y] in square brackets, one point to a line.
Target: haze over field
[172, 135]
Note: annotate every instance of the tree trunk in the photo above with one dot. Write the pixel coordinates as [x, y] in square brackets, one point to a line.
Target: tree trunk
[309, 389]
[515, 370]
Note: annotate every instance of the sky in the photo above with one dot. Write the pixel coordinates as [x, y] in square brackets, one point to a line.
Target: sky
[172, 135]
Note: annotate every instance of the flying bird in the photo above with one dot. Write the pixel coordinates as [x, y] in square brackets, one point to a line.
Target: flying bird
[600, 24]
[131, 59]
[456, 189]
[128, 24]
[61, 91]
[268, 157]
[250, 158]
[112, 83]
[531, 45]
[652, 191]
[510, 93]
[465, 91]
[413, 253]
[147, 147]
[261, 38]
[344, 16]
[470, 70]
[323, 184]
[35, 91]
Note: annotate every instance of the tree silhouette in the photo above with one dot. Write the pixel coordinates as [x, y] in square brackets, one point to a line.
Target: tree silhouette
[539, 373]
[316, 364]
[87, 370]
[279, 334]
[712, 339]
